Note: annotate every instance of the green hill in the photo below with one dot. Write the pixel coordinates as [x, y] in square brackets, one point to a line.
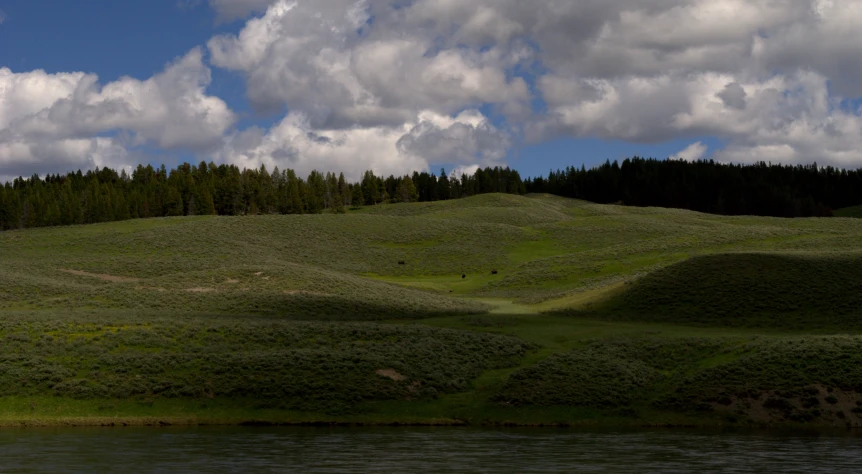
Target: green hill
[803, 291]
[445, 312]
[855, 211]
[762, 380]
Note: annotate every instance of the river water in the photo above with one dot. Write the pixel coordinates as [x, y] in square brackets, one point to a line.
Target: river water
[338, 450]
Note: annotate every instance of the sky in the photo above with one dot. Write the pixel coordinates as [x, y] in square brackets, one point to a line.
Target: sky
[403, 85]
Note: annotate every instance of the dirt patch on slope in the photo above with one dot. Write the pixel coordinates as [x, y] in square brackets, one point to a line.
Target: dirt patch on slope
[101, 276]
[200, 290]
[391, 374]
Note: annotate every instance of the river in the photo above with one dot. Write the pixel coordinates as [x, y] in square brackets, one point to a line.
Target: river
[346, 450]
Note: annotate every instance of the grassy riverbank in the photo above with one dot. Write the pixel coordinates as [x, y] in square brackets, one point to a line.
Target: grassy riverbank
[496, 309]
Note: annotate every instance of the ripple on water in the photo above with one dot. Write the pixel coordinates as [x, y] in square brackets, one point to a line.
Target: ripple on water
[346, 450]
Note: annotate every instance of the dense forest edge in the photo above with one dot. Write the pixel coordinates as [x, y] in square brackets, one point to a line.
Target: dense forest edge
[759, 189]
[105, 195]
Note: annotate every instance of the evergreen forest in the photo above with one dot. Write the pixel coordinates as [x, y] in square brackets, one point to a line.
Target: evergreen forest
[760, 189]
[104, 195]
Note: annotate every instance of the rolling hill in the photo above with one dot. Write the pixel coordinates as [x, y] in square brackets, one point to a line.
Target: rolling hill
[854, 211]
[444, 312]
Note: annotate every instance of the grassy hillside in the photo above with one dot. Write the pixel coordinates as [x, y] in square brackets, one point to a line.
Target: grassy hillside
[492, 309]
[322, 367]
[765, 380]
[800, 290]
[855, 211]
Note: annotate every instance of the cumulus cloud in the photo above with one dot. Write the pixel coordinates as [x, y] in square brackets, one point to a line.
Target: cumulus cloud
[645, 71]
[459, 171]
[325, 60]
[396, 85]
[24, 158]
[465, 138]
[394, 93]
[228, 10]
[693, 152]
[294, 143]
[733, 96]
[53, 122]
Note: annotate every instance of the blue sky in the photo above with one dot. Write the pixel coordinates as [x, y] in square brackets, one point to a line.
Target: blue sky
[140, 39]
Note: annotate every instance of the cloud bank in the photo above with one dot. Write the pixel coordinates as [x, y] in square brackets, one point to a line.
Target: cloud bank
[397, 85]
[70, 121]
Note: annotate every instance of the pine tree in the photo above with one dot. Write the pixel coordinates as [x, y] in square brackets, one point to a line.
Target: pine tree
[444, 191]
[407, 190]
[316, 193]
[192, 207]
[382, 195]
[344, 191]
[333, 192]
[173, 204]
[205, 206]
[266, 193]
[370, 188]
[294, 198]
[304, 194]
[358, 198]
[4, 208]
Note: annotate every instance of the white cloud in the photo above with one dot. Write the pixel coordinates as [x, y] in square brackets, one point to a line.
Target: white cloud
[317, 58]
[465, 138]
[294, 143]
[398, 84]
[386, 100]
[693, 152]
[645, 71]
[459, 171]
[24, 158]
[54, 122]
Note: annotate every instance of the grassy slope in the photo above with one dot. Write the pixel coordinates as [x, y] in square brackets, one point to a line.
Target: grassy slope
[195, 319]
[854, 211]
[802, 291]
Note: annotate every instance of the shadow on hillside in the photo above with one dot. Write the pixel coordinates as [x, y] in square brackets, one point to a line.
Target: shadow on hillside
[748, 290]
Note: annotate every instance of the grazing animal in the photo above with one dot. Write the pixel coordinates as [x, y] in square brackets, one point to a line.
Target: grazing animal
[493, 272]
[402, 262]
[464, 276]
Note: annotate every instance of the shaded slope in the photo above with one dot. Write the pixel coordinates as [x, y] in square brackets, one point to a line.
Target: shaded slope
[763, 290]
[751, 380]
[854, 211]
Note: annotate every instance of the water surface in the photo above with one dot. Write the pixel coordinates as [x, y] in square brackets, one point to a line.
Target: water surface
[346, 450]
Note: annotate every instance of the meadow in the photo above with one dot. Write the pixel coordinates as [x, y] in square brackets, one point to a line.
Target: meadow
[492, 309]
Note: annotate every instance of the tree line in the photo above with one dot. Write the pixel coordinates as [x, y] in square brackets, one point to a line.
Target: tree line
[104, 195]
[759, 189]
